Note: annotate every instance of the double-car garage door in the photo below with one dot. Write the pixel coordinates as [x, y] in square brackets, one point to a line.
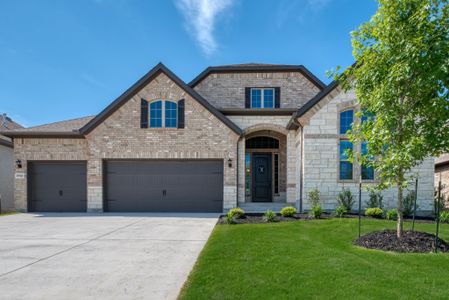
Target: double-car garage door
[130, 186]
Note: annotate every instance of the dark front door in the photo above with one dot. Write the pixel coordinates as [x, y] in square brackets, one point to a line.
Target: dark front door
[164, 186]
[57, 187]
[261, 174]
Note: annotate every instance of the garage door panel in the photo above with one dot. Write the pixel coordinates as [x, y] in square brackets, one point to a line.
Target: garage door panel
[57, 187]
[178, 186]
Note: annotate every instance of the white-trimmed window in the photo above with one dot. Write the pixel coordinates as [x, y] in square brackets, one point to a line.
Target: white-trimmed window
[262, 97]
[163, 113]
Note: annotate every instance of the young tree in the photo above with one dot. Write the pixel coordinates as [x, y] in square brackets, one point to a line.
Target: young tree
[401, 77]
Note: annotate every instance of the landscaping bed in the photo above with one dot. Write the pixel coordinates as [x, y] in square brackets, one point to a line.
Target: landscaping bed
[411, 241]
[259, 218]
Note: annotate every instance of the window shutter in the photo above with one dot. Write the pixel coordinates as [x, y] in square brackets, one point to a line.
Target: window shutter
[143, 113]
[247, 97]
[181, 113]
[277, 97]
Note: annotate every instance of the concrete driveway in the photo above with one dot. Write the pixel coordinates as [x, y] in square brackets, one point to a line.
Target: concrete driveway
[99, 256]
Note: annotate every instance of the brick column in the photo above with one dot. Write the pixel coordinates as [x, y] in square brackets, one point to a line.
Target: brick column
[291, 167]
[241, 174]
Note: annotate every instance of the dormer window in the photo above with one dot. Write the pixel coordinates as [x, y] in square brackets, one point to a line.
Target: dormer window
[262, 97]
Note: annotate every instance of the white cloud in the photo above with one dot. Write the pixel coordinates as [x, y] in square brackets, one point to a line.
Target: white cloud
[318, 4]
[299, 9]
[201, 17]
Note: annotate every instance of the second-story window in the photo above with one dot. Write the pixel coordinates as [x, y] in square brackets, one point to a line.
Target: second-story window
[163, 114]
[262, 98]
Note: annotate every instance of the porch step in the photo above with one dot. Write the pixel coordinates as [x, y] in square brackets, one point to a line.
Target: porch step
[261, 207]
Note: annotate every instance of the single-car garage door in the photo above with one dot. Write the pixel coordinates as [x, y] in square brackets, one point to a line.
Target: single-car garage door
[164, 186]
[57, 187]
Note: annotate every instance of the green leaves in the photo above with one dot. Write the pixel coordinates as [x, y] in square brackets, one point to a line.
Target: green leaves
[402, 77]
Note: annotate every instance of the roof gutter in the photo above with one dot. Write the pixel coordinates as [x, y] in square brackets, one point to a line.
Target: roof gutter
[42, 134]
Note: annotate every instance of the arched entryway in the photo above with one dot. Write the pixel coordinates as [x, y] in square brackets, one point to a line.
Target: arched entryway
[265, 167]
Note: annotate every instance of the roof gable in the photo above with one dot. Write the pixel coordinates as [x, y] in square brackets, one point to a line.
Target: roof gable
[253, 68]
[311, 103]
[140, 84]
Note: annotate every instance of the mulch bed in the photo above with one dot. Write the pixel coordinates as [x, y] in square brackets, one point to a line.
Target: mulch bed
[259, 218]
[411, 242]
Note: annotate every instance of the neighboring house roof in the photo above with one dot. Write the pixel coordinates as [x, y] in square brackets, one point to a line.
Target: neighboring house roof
[442, 160]
[140, 84]
[6, 123]
[254, 67]
[68, 128]
[311, 103]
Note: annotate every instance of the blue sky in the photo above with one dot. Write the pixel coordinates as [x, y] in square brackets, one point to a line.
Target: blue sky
[67, 59]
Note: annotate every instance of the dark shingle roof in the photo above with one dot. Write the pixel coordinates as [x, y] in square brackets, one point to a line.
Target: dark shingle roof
[257, 67]
[62, 128]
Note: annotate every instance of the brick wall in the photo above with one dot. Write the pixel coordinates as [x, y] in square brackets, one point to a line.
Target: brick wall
[227, 90]
[33, 149]
[442, 174]
[120, 136]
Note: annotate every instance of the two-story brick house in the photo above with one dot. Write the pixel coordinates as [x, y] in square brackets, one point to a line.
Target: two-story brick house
[253, 135]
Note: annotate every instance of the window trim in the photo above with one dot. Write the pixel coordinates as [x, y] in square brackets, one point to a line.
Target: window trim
[163, 108]
[356, 166]
[262, 96]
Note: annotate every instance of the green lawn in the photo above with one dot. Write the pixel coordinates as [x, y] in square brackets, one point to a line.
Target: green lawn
[8, 213]
[313, 260]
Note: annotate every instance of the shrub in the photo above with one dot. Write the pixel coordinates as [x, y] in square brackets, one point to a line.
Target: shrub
[230, 219]
[345, 199]
[314, 197]
[340, 211]
[442, 202]
[444, 216]
[236, 212]
[270, 216]
[375, 200]
[408, 204]
[288, 211]
[316, 212]
[374, 212]
[392, 214]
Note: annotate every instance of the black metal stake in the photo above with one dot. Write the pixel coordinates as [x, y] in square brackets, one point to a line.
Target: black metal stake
[414, 206]
[360, 208]
[438, 217]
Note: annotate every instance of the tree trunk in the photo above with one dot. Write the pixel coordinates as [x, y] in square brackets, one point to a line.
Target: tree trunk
[400, 224]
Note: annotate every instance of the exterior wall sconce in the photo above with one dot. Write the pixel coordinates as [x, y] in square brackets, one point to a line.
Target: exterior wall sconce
[230, 163]
[19, 164]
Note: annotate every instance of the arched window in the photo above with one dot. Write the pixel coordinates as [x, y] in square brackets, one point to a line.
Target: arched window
[156, 114]
[171, 112]
[262, 142]
[163, 114]
[345, 166]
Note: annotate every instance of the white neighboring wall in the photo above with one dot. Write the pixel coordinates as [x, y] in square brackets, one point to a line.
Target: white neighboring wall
[321, 159]
[6, 178]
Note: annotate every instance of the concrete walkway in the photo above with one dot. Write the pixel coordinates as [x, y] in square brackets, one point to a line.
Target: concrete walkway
[99, 256]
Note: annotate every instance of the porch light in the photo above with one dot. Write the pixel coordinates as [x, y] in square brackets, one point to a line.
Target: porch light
[230, 163]
[19, 164]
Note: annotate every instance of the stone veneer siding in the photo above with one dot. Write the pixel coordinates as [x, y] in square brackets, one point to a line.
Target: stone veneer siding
[321, 159]
[120, 137]
[227, 90]
[272, 126]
